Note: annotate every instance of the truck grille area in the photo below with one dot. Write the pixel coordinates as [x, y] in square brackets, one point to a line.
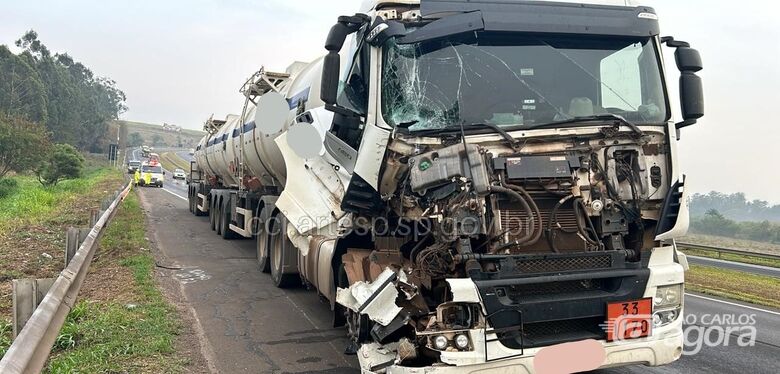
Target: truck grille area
[555, 332]
[554, 308]
[524, 291]
[546, 265]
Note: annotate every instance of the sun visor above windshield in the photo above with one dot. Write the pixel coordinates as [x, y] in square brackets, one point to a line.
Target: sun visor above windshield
[542, 17]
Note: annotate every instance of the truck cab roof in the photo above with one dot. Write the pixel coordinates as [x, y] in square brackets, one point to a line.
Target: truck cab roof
[369, 5]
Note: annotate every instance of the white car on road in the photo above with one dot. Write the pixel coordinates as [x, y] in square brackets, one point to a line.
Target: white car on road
[179, 174]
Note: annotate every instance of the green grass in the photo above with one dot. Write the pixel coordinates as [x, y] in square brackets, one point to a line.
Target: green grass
[5, 336]
[736, 285]
[745, 259]
[111, 337]
[171, 161]
[33, 202]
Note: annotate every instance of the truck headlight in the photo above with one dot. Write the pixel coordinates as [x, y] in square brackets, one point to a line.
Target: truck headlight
[668, 296]
[440, 342]
[462, 341]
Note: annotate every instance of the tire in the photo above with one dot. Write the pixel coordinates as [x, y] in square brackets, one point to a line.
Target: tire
[263, 261]
[224, 218]
[192, 202]
[217, 214]
[212, 215]
[279, 244]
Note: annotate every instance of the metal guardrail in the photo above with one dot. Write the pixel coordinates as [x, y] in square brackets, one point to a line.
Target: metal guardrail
[32, 346]
[720, 251]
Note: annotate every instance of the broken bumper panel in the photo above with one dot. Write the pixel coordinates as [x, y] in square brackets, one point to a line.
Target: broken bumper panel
[663, 348]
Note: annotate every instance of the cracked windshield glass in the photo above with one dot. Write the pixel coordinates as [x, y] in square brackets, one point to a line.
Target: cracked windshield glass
[515, 80]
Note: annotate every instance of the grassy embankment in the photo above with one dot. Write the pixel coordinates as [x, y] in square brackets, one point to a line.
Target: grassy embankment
[122, 322]
[731, 284]
[735, 285]
[171, 161]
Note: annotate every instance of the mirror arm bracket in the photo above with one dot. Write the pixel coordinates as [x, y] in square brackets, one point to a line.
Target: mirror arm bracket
[669, 40]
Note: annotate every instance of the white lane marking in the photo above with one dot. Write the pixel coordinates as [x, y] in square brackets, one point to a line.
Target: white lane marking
[175, 194]
[733, 304]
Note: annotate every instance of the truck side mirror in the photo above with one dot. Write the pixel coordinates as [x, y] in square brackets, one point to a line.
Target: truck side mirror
[688, 59]
[691, 98]
[330, 78]
[331, 64]
[691, 89]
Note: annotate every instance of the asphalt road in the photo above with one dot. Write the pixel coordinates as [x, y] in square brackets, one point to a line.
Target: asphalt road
[176, 187]
[250, 326]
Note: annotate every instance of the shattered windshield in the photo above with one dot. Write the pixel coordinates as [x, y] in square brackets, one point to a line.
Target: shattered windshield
[511, 79]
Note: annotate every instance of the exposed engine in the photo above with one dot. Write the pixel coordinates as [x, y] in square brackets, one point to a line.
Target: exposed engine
[479, 211]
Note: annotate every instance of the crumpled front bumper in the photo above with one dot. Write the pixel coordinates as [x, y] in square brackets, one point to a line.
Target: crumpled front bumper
[649, 352]
[664, 347]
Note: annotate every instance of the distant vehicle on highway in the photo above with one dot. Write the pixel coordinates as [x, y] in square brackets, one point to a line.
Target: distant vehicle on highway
[132, 166]
[151, 175]
[192, 151]
[179, 174]
[154, 159]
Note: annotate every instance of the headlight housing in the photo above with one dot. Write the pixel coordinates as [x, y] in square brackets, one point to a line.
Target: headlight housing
[667, 304]
[668, 296]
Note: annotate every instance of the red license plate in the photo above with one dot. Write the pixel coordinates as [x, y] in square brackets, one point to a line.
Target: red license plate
[629, 319]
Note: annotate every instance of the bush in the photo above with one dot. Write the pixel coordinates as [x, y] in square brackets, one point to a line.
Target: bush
[7, 187]
[65, 162]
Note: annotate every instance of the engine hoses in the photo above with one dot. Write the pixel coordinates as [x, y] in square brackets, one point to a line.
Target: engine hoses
[514, 195]
[586, 232]
[534, 207]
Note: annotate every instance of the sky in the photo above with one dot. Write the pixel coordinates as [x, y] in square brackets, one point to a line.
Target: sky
[179, 61]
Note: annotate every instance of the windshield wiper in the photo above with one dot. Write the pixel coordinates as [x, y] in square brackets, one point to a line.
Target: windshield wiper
[597, 117]
[512, 141]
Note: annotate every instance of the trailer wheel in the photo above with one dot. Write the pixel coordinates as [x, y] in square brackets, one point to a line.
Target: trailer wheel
[212, 214]
[217, 215]
[224, 221]
[189, 202]
[279, 245]
[262, 242]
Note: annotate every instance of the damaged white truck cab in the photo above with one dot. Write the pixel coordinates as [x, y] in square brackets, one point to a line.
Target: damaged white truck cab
[514, 184]
[472, 184]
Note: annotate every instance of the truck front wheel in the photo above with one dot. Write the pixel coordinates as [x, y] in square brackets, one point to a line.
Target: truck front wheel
[279, 246]
[263, 262]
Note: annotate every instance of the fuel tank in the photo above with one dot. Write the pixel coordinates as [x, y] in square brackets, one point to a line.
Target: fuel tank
[218, 154]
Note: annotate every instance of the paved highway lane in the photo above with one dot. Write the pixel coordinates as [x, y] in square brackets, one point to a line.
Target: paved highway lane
[249, 325]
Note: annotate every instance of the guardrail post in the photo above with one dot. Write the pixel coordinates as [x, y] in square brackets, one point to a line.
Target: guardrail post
[73, 239]
[27, 294]
[94, 217]
[36, 326]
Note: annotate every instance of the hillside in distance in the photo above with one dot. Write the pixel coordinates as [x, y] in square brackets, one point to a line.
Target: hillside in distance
[134, 134]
